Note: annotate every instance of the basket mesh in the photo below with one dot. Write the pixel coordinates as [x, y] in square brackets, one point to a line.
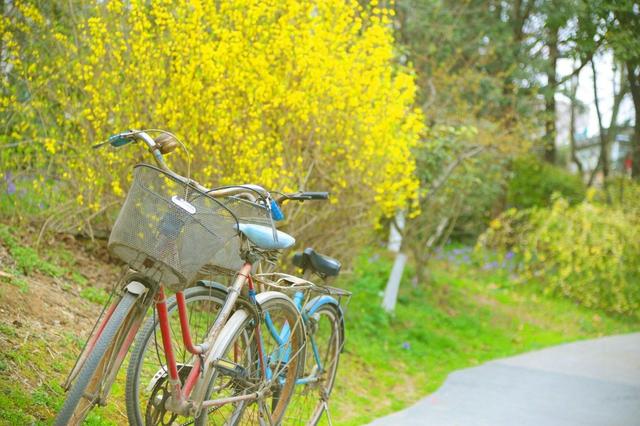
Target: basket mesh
[168, 231]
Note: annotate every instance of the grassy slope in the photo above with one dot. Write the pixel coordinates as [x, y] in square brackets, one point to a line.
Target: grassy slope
[462, 318]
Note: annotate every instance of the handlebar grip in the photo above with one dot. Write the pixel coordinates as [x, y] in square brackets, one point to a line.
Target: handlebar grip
[311, 196]
[121, 139]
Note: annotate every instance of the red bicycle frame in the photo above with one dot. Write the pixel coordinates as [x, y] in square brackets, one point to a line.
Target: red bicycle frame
[180, 393]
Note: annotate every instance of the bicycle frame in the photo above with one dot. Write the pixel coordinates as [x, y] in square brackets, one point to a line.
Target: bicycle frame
[188, 398]
[180, 395]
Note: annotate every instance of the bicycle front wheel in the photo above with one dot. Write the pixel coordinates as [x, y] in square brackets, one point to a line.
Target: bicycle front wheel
[324, 343]
[147, 386]
[87, 387]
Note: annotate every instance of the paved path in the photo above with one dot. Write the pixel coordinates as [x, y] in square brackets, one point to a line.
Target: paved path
[594, 382]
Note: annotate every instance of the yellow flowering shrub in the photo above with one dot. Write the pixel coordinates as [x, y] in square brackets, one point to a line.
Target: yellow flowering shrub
[287, 94]
[589, 252]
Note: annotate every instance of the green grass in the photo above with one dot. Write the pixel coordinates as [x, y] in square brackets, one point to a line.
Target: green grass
[95, 295]
[31, 373]
[33, 364]
[463, 317]
[26, 258]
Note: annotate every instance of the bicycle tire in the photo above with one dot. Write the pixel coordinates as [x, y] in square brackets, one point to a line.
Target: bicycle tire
[308, 402]
[241, 322]
[77, 405]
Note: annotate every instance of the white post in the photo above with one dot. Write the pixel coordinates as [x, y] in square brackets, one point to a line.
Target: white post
[393, 283]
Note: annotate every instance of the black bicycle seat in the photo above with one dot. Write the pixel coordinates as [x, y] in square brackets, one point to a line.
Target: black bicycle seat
[322, 265]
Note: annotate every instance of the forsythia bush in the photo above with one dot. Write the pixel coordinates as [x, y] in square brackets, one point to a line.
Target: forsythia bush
[288, 94]
[589, 252]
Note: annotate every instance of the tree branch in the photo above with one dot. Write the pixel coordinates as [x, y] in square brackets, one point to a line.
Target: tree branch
[437, 184]
[585, 61]
[572, 126]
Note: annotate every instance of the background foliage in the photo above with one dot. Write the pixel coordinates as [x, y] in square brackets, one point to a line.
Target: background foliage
[534, 182]
[442, 109]
[588, 252]
[280, 93]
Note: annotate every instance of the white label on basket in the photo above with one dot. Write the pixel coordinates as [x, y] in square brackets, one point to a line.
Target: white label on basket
[184, 205]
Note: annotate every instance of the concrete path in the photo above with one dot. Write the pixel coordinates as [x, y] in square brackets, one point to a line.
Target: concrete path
[594, 382]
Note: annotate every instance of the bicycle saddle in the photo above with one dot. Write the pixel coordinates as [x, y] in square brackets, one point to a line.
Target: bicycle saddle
[262, 236]
[322, 265]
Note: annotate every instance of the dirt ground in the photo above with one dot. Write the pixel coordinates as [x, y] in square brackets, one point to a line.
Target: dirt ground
[44, 321]
[52, 303]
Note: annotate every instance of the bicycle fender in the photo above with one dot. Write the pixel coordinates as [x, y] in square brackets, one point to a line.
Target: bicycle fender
[136, 288]
[267, 295]
[314, 304]
[213, 284]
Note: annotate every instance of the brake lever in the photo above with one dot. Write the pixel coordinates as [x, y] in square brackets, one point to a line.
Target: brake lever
[118, 140]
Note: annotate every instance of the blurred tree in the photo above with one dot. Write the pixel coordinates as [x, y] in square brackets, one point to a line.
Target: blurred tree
[575, 107]
[621, 18]
[534, 183]
[614, 25]
[478, 109]
[507, 53]
[606, 134]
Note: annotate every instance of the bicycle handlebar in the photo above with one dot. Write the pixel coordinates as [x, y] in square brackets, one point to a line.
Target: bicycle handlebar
[130, 136]
[302, 196]
[249, 191]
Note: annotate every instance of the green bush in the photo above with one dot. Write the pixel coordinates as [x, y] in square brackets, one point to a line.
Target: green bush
[589, 252]
[622, 193]
[534, 182]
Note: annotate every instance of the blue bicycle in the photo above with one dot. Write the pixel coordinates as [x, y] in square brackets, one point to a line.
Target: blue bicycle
[321, 307]
[238, 368]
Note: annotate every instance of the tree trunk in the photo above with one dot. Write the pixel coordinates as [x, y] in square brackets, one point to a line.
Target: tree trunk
[572, 126]
[633, 76]
[608, 134]
[550, 100]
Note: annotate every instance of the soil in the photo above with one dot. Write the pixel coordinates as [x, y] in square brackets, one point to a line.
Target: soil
[37, 311]
[52, 303]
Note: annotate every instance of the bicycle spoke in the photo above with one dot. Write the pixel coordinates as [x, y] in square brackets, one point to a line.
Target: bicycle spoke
[311, 398]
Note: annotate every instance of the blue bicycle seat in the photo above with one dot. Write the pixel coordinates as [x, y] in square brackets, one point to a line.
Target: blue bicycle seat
[262, 236]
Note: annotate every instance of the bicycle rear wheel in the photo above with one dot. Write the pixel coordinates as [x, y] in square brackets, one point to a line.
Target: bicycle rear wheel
[87, 387]
[324, 343]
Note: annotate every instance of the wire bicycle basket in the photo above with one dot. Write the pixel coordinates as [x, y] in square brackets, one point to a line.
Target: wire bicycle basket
[168, 230]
